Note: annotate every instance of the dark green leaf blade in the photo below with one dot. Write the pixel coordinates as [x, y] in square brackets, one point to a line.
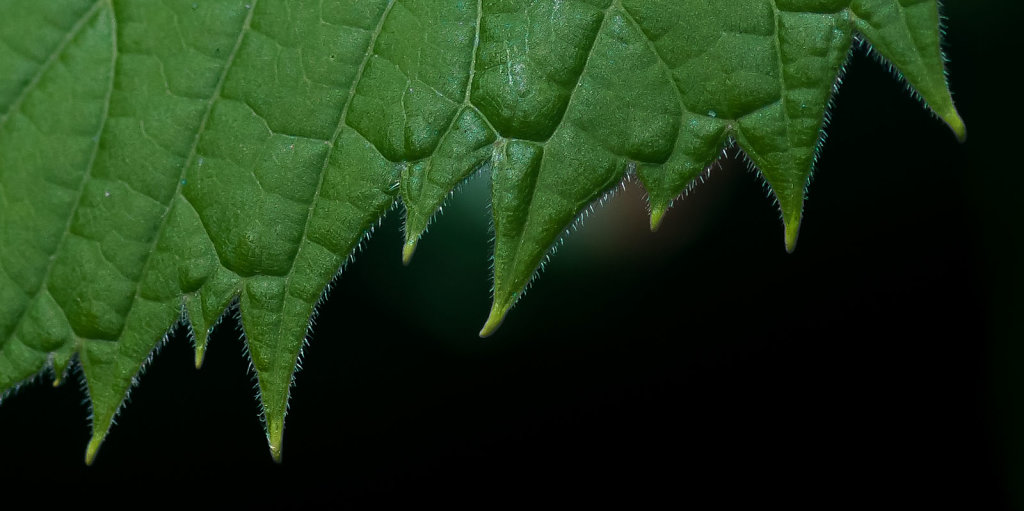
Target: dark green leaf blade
[908, 34]
[38, 119]
[162, 161]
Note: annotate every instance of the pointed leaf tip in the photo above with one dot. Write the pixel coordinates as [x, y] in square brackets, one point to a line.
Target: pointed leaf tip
[792, 234]
[588, 141]
[409, 249]
[956, 123]
[200, 357]
[275, 437]
[657, 216]
[93, 448]
[494, 320]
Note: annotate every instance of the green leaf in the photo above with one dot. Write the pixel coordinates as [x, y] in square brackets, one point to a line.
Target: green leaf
[161, 161]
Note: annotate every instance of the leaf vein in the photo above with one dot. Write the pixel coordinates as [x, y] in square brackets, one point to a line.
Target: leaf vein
[782, 72]
[342, 123]
[46, 65]
[87, 175]
[194, 149]
[544, 155]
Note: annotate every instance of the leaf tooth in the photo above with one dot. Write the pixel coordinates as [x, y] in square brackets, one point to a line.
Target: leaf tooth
[275, 436]
[409, 249]
[912, 53]
[60, 360]
[792, 232]
[701, 143]
[94, 446]
[207, 308]
[956, 123]
[200, 355]
[199, 336]
[426, 185]
[657, 216]
[497, 316]
[199, 340]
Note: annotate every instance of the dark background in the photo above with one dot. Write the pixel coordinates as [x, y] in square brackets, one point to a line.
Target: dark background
[881, 364]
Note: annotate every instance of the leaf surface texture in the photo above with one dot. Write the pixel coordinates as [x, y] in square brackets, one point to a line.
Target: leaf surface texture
[163, 160]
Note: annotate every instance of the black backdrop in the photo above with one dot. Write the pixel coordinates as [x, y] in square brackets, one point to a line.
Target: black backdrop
[701, 365]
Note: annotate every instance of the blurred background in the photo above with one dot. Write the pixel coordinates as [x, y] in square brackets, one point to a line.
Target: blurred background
[881, 364]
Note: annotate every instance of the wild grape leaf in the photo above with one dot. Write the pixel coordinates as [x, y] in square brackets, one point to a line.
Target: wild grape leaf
[162, 160]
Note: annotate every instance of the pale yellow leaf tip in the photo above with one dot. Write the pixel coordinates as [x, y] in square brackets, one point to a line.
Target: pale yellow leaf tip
[956, 123]
[58, 380]
[494, 320]
[657, 215]
[200, 356]
[275, 437]
[409, 249]
[93, 448]
[792, 234]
